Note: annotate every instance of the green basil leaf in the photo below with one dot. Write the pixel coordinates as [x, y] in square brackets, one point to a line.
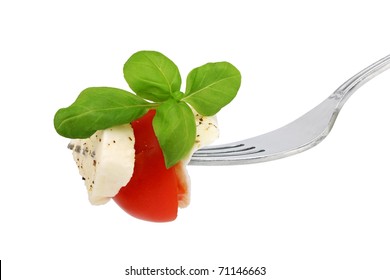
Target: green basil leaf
[212, 86]
[175, 128]
[99, 108]
[152, 75]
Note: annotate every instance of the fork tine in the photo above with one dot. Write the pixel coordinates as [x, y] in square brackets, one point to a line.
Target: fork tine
[227, 158]
[223, 149]
[233, 149]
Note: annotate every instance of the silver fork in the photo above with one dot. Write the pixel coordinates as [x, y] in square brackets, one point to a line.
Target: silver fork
[297, 136]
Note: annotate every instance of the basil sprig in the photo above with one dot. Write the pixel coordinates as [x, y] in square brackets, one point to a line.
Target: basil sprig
[156, 82]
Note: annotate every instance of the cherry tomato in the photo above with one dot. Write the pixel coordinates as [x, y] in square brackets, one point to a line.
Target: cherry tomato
[154, 191]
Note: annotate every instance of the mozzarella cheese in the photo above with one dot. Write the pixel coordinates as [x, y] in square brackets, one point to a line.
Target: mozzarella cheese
[206, 131]
[105, 161]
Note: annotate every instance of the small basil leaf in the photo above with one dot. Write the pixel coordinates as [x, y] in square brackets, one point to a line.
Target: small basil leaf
[212, 86]
[175, 128]
[152, 75]
[98, 108]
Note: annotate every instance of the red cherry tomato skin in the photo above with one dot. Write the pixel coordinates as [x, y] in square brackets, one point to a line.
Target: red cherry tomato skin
[153, 191]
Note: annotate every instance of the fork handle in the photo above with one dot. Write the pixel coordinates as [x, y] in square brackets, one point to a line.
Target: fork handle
[350, 86]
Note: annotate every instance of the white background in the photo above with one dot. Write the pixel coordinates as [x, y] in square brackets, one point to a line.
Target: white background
[322, 214]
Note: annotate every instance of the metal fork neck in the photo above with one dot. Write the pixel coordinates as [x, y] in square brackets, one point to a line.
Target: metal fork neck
[345, 91]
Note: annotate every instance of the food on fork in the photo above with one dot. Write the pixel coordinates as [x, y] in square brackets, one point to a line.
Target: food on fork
[134, 148]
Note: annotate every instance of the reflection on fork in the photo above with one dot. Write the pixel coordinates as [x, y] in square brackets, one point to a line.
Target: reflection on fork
[297, 136]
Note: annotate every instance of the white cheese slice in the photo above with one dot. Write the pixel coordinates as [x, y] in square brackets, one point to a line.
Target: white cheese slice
[206, 132]
[105, 161]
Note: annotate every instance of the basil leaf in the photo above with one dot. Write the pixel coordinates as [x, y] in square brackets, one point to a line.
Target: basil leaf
[98, 108]
[175, 128]
[212, 86]
[152, 75]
